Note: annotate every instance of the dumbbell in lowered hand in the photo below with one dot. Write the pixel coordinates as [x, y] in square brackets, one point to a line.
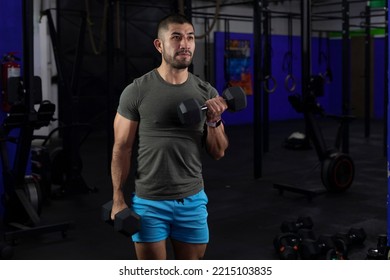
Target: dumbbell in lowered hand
[126, 221]
[191, 111]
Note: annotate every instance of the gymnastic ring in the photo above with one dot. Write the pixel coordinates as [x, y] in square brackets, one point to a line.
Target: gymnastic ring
[290, 78]
[269, 90]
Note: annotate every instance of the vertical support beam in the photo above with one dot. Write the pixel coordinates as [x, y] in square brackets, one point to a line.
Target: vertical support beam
[26, 132]
[28, 52]
[110, 80]
[74, 81]
[188, 14]
[226, 61]
[306, 45]
[125, 31]
[367, 72]
[56, 43]
[306, 67]
[257, 93]
[266, 72]
[207, 57]
[188, 9]
[388, 147]
[346, 74]
[386, 83]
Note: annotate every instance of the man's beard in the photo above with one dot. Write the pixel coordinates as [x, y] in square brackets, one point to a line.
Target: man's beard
[178, 64]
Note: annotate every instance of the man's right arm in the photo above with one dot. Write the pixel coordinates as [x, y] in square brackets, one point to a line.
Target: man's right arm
[124, 137]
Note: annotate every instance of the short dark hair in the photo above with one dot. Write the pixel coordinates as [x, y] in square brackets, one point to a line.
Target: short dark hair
[172, 18]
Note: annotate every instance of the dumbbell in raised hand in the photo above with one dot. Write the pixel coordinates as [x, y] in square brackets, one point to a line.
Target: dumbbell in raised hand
[126, 221]
[191, 111]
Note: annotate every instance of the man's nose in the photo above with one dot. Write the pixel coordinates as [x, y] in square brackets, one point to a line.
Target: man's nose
[184, 43]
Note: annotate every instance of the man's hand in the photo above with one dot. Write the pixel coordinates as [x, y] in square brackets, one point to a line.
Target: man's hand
[215, 107]
[117, 207]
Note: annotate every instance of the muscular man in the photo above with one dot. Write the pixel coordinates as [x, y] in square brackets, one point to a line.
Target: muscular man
[169, 189]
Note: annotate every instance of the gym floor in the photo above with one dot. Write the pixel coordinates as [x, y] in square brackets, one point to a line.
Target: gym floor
[245, 214]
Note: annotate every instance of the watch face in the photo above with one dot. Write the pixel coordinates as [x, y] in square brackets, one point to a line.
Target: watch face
[214, 124]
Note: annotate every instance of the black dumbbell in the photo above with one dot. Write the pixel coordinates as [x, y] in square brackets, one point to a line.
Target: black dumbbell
[190, 111]
[381, 252]
[126, 221]
[344, 241]
[305, 233]
[294, 226]
[287, 245]
[322, 248]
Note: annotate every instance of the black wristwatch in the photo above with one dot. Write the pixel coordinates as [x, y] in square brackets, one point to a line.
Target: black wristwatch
[214, 124]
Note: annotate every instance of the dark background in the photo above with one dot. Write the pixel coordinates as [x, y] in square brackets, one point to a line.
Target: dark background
[244, 213]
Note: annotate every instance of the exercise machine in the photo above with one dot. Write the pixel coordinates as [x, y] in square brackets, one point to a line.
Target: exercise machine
[22, 195]
[337, 168]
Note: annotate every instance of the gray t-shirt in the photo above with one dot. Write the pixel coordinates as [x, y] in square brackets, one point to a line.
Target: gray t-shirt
[169, 153]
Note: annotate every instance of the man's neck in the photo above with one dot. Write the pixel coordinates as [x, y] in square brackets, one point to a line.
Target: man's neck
[173, 76]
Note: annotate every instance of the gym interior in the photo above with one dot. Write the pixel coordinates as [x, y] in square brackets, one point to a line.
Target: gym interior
[306, 172]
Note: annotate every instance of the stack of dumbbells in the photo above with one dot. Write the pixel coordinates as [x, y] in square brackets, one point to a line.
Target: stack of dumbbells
[287, 243]
[298, 241]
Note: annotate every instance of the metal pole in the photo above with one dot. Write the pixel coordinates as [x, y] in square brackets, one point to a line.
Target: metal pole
[257, 92]
[267, 71]
[346, 71]
[26, 132]
[306, 57]
[110, 80]
[388, 156]
[188, 14]
[367, 73]
[306, 44]
[386, 84]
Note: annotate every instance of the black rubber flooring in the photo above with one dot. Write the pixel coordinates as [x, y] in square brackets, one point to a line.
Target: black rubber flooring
[245, 213]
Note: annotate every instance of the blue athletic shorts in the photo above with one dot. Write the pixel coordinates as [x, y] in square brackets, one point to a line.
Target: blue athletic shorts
[183, 220]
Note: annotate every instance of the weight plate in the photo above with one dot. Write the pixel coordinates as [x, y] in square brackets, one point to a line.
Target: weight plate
[337, 172]
[33, 193]
[15, 209]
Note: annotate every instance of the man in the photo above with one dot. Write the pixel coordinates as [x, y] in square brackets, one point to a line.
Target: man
[169, 188]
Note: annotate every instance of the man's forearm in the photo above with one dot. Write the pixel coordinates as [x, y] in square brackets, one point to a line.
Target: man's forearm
[120, 166]
[217, 141]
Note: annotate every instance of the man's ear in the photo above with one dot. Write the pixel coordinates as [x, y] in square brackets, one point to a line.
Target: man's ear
[158, 44]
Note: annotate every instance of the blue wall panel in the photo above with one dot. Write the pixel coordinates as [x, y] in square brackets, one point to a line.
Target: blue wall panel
[279, 107]
[388, 156]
